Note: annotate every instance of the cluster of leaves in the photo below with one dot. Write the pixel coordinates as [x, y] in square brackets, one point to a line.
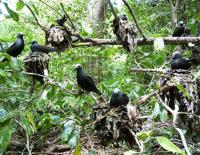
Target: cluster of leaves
[55, 107]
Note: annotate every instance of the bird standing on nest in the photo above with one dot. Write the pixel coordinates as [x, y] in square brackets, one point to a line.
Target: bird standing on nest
[85, 81]
[118, 98]
[178, 62]
[125, 31]
[179, 30]
[35, 47]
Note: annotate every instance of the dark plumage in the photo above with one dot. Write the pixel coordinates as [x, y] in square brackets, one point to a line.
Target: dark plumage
[35, 47]
[118, 98]
[178, 62]
[17, 47]
[85, 81]
[61, 21]
[179, 30]
[126, 32]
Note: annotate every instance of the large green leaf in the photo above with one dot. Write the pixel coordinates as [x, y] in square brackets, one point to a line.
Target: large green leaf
[168, 145]
[184, 91]
[78, 149]
[5, 135]
[19, 5]
[12, 13]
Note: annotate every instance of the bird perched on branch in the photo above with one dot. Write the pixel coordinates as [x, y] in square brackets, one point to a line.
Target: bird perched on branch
[118, 98]
[125, 31]
[85, 81]
[179, 30]
[178, 62]
[35, 47]
[17, 47]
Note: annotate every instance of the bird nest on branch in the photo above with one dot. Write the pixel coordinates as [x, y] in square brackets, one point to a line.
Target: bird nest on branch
[113, 125]
[59, 37]
[185, 96]
[37, 63]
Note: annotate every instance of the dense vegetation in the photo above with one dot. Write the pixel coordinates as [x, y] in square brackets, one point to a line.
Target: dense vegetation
[57, 113]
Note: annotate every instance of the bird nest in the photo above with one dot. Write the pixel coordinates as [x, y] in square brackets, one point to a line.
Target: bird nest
[184, 95]
[59, 37]
[37, 63]
[112, 125]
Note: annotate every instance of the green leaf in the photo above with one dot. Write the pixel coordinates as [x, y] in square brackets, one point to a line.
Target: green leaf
[35, 9]
[5, 135]
[19, 5]
[196, 75]
[12, 13]
[31, 120]
[78, 149]
[168, 145]
[184, 91]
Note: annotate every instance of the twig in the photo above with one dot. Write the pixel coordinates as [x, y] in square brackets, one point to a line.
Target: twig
[139, 143]
[50, 7]
[144, 98]
[134, 18]
[174, 113]
[157, 70]
[62, 6]
[112, 9]
[38, 23]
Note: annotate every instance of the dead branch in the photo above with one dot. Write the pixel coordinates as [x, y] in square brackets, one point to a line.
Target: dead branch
[139, 41]
[134, 18]
[156, 70]
[144, 98]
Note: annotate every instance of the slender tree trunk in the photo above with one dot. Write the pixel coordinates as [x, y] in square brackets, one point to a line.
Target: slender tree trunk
[96, 17]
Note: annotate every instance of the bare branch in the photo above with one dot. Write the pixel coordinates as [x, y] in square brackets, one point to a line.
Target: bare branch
[144, 98]
[174, 113]
[177, 5]
[62, 6]
[112, 9]
[139, 41]
[134, 18]
[38, 23]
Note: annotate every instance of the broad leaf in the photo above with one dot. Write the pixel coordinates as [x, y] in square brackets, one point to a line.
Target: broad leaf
[5, 135]
[12, 13]
[168, 145]
[77, 149]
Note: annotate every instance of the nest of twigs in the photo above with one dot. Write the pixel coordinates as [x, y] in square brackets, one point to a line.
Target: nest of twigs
[37, 63]
[59, 37]
[112, 126]
[184, 95]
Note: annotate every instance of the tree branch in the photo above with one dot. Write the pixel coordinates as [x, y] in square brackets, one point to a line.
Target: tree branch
[140, 41]
[134, 18]
[38, 23]
[72, 25]
[112, 9]
[144, 98]
[174, 113]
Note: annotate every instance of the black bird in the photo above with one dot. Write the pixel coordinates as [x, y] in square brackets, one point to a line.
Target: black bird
[179, 30]
[123, 17]
[17, 47]
[35, 47]
[61, 21]
[118, 98]
[178, 62]
[85, 81]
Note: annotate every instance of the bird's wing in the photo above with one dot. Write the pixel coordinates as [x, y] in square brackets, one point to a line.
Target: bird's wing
[89, 78]
[11, 47]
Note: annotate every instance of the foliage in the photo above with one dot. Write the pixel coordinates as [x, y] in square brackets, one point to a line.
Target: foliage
[54, 106]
